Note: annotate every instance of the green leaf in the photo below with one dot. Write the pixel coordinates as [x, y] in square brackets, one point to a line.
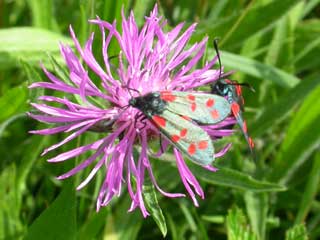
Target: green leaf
[173, 227]
[217, 219]
[116, 6]
[33, 76]
[59, 220]
[302, 138]
[153, 207]
[237, 227]
[93, 226]
[307, 32]
[32, 47]
[188, 216]
[257, 209]
[237, 30]
[278, 38]
[142, 10]
[298, 232]
[216, 10]
[10, 224]
[61, 71]
[274, 113]
[111, 11]
[42, 14]
[310, 191]
[234, 179]
[10, 120]
[309, 7]
[13, 102]
[122, 224]
[312, 46]
[37, 145]
[292, 19]
[258, 69]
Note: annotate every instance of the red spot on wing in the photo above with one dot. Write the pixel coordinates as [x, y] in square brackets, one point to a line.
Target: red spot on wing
[203, 144]
[191, 97]
[167, 96]
[210, 102]
[235, 108]
[193, 106]
[251, 143]
[228, 81]
[175, 138]
[192, 149]
[238, 90]
[215, 114]
[245, 127]
[160, 121]
[183, 132]
[242, 100]
[186, 118]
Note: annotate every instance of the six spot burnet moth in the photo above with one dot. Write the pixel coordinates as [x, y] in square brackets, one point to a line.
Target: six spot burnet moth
[177, 114]
[232, 91]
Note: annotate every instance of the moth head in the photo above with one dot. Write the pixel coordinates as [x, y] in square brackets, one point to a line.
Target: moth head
[132, 101]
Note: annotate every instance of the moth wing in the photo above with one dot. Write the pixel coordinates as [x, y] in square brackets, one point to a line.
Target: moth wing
[186, 136]
[201, 107]
[235, 107]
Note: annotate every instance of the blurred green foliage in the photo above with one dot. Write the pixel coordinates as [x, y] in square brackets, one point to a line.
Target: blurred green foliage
[274, 45]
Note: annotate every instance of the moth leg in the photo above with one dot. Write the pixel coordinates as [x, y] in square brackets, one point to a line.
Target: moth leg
[140, 117]
[160, 142]
[142, 120]
[136, 120]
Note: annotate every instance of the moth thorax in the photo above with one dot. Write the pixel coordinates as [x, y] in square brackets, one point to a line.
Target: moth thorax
[221, 88]
[150, 104]
[132, 102]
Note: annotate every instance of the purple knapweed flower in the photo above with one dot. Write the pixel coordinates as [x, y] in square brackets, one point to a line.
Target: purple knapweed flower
[149, 60]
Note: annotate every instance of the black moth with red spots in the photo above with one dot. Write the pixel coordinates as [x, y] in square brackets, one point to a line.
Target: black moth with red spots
[232, 91]
[178, 115]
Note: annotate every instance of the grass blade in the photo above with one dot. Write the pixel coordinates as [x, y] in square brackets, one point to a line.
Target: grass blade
[298, 232]
[310, 192]
[258, 69]
[237, 228]
[231, 178]
[273, 114]
[302, 138]
[257, 209]
[59, 220]
[267, 14]
[153, 207]
[13, 102]
[32, 47]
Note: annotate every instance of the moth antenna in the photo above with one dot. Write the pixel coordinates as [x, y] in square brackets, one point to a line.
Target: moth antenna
[215, 44]
[132, 89]
[123, 110]
[247, 85]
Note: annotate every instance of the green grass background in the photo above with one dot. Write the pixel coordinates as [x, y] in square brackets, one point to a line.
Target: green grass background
[274, 45]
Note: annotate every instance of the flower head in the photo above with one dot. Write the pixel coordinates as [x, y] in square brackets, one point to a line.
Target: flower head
[149, 60]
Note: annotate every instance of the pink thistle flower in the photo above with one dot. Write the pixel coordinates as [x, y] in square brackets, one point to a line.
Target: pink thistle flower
[150, 60]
